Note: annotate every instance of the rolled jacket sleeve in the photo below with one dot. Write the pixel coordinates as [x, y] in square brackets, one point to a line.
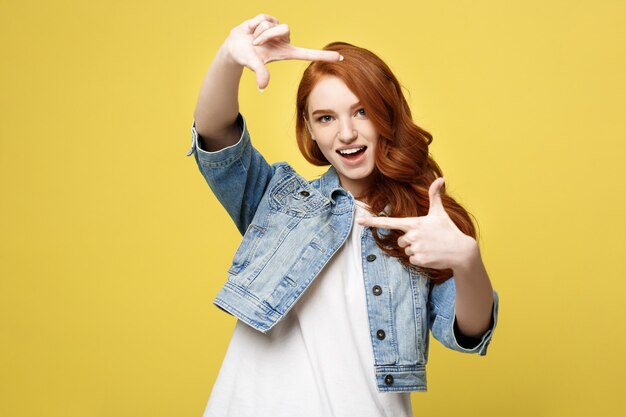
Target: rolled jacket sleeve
[223, 154]
[238, 174]
[441, 305]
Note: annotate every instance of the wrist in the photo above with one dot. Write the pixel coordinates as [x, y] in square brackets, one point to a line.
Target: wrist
[469, 257]
[227, 59]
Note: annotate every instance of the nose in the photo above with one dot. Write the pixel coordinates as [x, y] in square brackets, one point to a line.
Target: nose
[347, 133]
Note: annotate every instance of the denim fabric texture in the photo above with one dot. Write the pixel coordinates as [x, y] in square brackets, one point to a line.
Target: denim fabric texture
[291, 228]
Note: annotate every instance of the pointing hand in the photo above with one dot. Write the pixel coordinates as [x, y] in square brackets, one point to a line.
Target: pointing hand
[431, 241]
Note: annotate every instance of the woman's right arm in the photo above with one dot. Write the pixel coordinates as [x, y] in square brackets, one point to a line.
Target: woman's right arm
[236, 172]
[217, 106]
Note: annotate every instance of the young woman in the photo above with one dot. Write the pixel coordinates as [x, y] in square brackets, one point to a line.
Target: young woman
[338, 281]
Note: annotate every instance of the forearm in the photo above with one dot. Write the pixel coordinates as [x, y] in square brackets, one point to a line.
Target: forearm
[474, 295]
[217, 106]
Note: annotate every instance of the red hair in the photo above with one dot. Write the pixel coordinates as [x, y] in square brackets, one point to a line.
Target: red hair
[404, 168]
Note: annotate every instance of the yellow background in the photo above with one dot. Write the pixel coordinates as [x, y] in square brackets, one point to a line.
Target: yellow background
[113, 247]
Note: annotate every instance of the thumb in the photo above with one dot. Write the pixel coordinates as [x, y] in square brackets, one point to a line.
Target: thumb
[262, 78]
[262, 74]
[434, 193]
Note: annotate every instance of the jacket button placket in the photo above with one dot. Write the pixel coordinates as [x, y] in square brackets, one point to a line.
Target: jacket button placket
[378, 301]
[377, 290]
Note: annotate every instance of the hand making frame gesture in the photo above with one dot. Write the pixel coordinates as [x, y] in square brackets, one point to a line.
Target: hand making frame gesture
[261, 40]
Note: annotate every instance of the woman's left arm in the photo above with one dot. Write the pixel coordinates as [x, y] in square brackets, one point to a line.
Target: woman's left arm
[474, 294]
[434, 241]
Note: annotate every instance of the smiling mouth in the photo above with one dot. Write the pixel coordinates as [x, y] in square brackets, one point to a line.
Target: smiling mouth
[352, 153]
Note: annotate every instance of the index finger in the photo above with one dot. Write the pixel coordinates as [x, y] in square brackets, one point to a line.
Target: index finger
[396, 223]
[314, 55]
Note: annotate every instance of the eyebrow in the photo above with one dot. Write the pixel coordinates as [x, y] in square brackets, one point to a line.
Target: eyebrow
[357, 104]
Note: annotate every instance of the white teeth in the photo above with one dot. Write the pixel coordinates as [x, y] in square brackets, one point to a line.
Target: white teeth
[350, 151]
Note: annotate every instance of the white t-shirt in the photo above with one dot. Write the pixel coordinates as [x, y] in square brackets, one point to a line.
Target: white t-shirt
[317, 361]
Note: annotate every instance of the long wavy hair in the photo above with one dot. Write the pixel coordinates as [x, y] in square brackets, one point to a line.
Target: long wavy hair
[404, 169]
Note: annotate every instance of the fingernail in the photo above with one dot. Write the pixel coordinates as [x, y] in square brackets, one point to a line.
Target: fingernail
[261, 90]
[340, 57]
[256, 41]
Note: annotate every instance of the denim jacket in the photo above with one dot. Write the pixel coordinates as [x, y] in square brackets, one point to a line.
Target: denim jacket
[292, 228]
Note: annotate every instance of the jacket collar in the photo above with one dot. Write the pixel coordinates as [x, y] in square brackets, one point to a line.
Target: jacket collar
[330, 186]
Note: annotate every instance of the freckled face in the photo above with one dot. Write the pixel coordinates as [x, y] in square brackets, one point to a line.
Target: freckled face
[345, 135]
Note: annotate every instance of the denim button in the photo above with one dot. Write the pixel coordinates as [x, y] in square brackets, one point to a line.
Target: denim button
[377, 290]
[304, 193]
[389, 379]
[380, 334]
[371, 258]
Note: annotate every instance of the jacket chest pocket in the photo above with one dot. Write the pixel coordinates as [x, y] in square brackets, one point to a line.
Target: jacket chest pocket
[296, 197]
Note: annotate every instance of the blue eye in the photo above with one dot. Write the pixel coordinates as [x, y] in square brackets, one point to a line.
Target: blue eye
[324, 119]
[361, 112]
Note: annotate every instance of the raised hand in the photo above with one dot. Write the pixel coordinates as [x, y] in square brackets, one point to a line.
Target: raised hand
[431, 241]
[261, 40]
